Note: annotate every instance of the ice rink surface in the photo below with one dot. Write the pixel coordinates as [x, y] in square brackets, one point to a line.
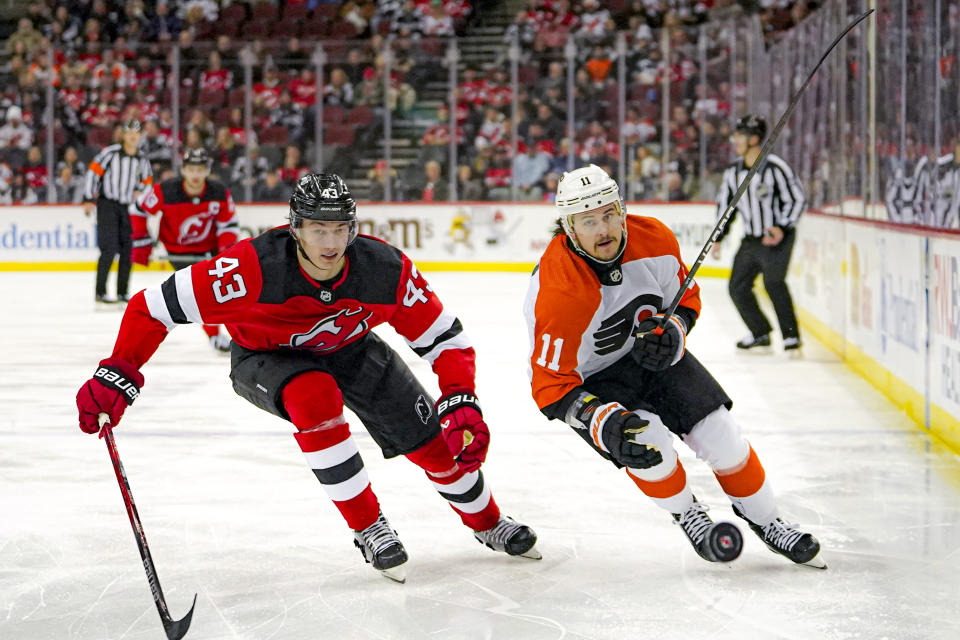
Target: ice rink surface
[232, 512]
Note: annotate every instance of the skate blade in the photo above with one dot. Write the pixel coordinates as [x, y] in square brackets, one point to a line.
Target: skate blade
[815, 562]
[756, 351]
[532, 554]
[795, 354]
[397, 574]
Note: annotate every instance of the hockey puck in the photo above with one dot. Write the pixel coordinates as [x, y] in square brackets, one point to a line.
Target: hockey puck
[724, 542]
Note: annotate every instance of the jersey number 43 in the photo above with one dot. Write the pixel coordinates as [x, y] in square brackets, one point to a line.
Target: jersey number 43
[230, 290]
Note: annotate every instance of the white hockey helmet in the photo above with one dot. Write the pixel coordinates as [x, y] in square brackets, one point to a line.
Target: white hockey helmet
[586, 189]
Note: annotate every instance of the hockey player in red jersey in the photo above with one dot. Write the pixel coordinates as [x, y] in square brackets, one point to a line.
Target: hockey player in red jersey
[300, 301]
[604, 279]
[197, 221]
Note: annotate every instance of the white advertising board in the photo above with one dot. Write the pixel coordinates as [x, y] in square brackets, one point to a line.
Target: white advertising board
[944, 266]
[488, 236]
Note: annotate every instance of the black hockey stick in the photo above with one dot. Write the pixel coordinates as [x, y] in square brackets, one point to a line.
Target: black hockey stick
[175, 629]
[764, 152]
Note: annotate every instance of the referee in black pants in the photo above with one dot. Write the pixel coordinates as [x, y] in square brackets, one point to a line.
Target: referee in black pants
[769, 210]
[117, 175]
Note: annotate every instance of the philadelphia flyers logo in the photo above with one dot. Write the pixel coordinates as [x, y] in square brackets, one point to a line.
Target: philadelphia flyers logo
[332, 332]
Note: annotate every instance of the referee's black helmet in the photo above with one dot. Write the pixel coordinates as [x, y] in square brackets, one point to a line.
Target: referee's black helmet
[752, 125]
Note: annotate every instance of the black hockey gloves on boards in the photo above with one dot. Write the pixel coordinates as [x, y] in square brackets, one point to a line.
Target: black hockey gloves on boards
[615, 430]
[658, 349]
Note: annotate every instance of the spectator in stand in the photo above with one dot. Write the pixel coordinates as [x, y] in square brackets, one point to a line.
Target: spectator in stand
[109, 67]
[552, 127]
[226, 152]
[293, 167]
[408, 20]
[483, 159]
[26, 34]
[494, 126]
[147, 75]
[497, 176]
[469, 187]
[358, 14]
[107, 18]
[303, 88]
[528, 171]
[72, 161]
[339, 92]
[237, 129]
[355, 64]
[436, 21]
[293, 58]
[556, 77]
[35, 172]
[268, 92]
[369, 92]
[215, 77]
[644, 174]
[270, 188]
[259, 166]
[15, 134]
[594, 22]
[550, 182]
[599, 63]
[434, 188]
[288, 114]
[378, 183]
[156, 147]
[15, 190]
[204, 127]
[68, 187]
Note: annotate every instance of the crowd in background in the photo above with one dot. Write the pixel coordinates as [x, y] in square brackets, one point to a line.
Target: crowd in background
[112, 61]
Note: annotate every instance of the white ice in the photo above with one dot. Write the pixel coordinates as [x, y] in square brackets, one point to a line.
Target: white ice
[232, 513]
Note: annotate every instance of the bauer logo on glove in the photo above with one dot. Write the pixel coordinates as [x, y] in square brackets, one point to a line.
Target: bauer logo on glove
[463, 428]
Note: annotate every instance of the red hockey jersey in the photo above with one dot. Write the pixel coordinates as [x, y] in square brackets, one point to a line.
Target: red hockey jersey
[258, 290]
[188, 224]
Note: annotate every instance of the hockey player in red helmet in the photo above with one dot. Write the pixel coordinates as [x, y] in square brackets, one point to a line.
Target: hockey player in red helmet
[299, 302]
[605, 277]
[197, 220]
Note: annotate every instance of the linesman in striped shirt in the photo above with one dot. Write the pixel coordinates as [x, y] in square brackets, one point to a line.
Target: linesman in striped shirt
[114, 179]
[769, 211]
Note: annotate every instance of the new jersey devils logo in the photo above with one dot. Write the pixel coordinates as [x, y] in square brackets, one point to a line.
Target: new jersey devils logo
[332, 332]
[195, 229]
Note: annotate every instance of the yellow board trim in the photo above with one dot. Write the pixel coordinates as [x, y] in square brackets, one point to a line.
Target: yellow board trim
[524, 267]
[943, 426]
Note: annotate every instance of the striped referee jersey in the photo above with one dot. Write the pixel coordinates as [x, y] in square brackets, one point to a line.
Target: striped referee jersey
[115, 175]
[773, 198]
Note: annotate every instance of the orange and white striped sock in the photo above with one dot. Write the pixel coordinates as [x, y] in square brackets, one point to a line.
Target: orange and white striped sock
[670, 492]
[747, 487]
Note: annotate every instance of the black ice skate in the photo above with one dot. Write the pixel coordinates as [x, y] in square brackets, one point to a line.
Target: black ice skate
[714, 542]
[511, 537]
[382, 548]
[755, 344]
[220, 343]
[783, 538]
[792, 346]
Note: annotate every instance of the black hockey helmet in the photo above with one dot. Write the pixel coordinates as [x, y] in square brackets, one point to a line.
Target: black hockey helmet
[197, 156]
[133, 124]
[323, 196]
[752, 125]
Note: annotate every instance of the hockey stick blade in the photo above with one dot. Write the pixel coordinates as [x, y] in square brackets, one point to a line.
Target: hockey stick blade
[175, 629]
[764, 152]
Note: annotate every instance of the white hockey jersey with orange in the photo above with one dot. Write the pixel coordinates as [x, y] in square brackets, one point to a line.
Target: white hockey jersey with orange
[579, 325]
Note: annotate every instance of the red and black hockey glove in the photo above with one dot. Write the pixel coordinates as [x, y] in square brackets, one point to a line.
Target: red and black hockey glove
[658, 350]
[142, 248]
[114, 386]
[463, 428]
